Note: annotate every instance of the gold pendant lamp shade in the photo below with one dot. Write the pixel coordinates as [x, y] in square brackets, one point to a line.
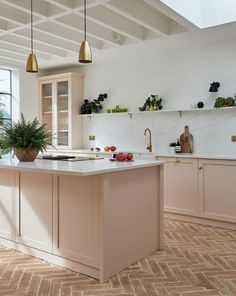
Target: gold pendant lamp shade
[85, 54]
[32, 64]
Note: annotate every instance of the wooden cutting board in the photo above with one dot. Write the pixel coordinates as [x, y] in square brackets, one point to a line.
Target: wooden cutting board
[186, 141]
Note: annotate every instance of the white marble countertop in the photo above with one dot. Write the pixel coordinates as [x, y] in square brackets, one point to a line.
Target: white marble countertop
[79, 168]
[150, 154]
[201, 156]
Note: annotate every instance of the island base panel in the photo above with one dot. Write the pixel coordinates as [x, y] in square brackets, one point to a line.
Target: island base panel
[131, 209]
[118, 221]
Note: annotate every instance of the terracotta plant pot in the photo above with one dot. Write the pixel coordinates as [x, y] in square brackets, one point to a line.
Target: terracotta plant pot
[26, 154]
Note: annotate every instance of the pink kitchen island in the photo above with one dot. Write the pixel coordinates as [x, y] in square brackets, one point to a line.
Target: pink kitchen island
[96, 217]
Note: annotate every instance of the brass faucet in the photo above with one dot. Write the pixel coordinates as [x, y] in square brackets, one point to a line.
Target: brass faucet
[149, 146]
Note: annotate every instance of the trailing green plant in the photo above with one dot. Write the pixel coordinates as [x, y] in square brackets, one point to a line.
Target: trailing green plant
[25, 134]
[94, 106]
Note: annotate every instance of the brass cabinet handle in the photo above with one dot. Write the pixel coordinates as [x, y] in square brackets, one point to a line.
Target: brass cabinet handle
[200, 168]
[177, 161]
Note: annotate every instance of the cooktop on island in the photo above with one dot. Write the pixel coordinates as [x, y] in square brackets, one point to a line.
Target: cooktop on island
[68, 158]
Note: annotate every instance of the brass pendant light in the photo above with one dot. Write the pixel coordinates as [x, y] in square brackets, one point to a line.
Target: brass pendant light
[32, 64]
[85, 54]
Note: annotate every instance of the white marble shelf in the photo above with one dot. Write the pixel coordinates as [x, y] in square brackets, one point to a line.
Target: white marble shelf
[131, 113]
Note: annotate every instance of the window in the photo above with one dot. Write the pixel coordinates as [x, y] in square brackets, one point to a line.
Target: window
[5, 96]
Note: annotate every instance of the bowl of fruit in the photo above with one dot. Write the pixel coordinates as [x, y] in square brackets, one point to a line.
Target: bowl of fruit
[123, 157]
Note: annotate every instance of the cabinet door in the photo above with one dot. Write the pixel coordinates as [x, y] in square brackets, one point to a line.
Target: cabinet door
[46, 91]
[35, 210]
[217, 189]
[7, 203]
[62, 113]
[76, 224]
[181, 185]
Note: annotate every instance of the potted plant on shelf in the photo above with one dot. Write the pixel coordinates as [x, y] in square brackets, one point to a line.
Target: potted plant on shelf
[172, 146]
[26, 138]
[224, 102]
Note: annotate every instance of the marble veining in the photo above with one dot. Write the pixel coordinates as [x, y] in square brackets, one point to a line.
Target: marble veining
[211, 130]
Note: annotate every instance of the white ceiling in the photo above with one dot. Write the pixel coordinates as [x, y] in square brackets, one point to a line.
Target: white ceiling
[58, 27]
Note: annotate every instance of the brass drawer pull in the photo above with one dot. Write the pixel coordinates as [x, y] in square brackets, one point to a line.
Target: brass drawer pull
[177, 161]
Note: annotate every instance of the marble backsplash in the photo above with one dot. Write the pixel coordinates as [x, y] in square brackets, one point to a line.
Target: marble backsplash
[211, 130]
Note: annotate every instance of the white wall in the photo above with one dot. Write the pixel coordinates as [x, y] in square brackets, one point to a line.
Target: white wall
[29, 105]
[178, 68]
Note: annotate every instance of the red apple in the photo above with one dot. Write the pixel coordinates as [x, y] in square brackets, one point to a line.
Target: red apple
[113, 148]
[121, 156]
[129, 156]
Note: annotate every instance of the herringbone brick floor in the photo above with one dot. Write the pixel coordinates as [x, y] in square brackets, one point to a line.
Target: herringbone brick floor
[197, 261]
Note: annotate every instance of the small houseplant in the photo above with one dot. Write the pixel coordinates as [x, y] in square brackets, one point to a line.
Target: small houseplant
[153, 103]
[224, 102]
[26, 138]
[172, 146]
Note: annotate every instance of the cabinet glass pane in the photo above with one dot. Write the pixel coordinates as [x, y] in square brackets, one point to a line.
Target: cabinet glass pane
[47, 105]
[62, 113]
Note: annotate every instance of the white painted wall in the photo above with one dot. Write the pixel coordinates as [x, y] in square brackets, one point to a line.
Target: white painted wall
[180, 69]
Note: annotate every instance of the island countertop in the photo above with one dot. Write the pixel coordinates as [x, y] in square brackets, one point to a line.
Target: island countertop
[78, 168]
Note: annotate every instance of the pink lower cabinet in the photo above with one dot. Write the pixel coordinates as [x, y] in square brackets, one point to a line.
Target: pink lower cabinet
[34, 210]
[181, 185]
[76, 219]
[217, 189]
[200, 190]
[7, 204]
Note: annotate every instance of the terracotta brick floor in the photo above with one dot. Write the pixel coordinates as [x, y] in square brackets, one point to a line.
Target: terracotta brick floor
[197, 260]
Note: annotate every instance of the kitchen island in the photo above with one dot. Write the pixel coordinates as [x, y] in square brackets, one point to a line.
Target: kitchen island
[96, 217]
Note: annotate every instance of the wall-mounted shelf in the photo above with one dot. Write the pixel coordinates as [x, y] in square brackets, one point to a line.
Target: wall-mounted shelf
[130, 114]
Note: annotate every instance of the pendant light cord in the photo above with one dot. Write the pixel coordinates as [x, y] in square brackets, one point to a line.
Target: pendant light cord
[32, 35]
[85, 29]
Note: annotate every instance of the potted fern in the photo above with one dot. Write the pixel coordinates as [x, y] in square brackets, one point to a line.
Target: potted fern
[26, 138]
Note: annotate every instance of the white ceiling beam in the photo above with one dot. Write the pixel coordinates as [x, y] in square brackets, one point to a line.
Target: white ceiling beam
[4, 58]
[64, 4]
[175, 28]
[41, 8]
[21, 50]
[143, 15]
[41, 37]
[166, 10]
[13, 15]
[94, 30]
[67, 34]
[72, 5]
[12, 55]
[20, 41]
[115, 22]
[3, 25]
